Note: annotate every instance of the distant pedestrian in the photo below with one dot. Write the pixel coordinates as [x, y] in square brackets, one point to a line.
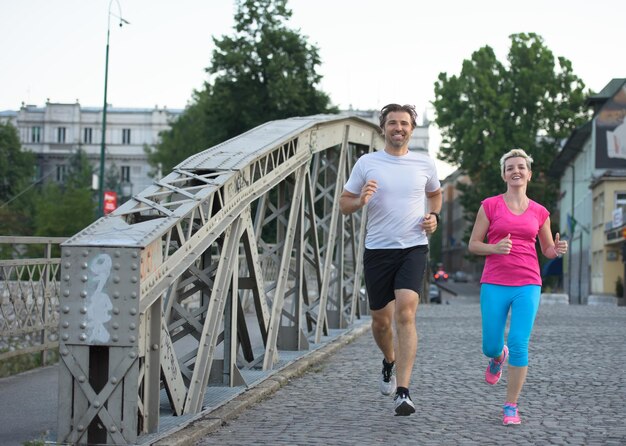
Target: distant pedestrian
[403, 197]
[511, 280]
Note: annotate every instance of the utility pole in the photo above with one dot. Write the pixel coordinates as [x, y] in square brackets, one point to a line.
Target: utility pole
[104, 108]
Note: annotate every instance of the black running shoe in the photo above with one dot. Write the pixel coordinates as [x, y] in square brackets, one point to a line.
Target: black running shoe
[404, 405]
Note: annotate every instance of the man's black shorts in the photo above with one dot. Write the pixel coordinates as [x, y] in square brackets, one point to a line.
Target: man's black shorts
[386, 270]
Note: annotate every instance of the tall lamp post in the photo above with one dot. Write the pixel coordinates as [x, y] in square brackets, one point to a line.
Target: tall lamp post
[570, 264]
[104, 108]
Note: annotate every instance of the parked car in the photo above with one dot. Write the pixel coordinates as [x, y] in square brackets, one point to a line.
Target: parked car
[434, 294]
[440, 275]
[460, 276]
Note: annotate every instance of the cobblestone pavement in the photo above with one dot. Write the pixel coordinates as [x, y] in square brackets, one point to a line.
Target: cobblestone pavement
[575, 392]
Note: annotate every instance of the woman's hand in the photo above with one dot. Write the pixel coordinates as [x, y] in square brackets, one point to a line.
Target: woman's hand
[504, 246]
[560, 246]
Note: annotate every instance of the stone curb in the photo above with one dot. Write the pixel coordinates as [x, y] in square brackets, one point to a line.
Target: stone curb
[601, 299]
[211, 421]
[554, 299]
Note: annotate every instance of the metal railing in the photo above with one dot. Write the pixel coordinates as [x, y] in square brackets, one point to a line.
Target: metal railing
[29, 296]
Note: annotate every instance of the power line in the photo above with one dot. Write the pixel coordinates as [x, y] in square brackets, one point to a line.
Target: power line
[33, 184]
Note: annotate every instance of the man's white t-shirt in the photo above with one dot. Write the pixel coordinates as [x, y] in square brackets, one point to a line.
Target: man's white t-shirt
[396, 210]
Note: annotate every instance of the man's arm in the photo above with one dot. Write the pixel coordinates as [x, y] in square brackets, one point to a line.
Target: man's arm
[435, 201]
[349, 202]
[434, 205]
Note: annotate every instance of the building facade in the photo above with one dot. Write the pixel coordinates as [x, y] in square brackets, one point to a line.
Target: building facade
[607, 237]
[53, 132]
[454, 226]
[592, 171]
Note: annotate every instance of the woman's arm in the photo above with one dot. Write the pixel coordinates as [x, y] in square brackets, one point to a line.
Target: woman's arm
[549, 247]
[479, 231]
[545, 240]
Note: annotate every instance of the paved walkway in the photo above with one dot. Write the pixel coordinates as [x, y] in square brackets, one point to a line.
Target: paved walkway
[28, 406]
[575, 393]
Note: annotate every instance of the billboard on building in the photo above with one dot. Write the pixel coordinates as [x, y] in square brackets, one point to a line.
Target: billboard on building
[610, 129]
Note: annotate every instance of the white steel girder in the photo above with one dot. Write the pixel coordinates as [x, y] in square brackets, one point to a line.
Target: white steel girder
[254, 222]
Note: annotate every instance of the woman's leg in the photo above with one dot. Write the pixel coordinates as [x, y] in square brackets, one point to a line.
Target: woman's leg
[494, 308]
[523, 311]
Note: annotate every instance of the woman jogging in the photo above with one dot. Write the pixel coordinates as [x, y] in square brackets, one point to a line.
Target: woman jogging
[511, 281]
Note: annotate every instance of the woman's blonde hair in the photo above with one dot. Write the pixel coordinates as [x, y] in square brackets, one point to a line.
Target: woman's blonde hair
[515, 153]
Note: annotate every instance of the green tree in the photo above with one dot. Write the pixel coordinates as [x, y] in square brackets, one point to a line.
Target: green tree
[65, 209]
[62, 212]
[17, 174]
[112, 179]
[189, 134]
[533, 102]
[264, 71]
[79, 172]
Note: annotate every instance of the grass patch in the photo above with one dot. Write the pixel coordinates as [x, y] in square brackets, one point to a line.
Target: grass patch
[34, 443]
[23, 363]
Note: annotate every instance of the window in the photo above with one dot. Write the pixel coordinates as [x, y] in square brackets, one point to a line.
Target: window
[35, 135]
[125, 174]
[61, 134]
[598, 210]
[620, 203]
[61, 171]
[87, 135]
[125, 136]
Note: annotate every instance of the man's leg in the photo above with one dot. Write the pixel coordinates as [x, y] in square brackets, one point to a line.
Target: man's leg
[382, 330]
[405, 309]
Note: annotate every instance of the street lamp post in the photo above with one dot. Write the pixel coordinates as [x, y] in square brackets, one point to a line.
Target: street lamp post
[104, 108]
[570, 264]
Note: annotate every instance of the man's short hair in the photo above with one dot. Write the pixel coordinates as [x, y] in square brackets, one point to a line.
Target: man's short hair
[410, 109]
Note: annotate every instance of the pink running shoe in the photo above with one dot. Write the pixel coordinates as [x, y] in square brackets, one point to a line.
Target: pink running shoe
[510, 415]
[494, 369]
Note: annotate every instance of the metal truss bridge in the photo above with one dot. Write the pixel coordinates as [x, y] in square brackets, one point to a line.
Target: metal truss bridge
[209, 277]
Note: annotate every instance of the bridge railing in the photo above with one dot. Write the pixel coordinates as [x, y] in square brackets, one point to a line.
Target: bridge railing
[152, 295]
[29, 297]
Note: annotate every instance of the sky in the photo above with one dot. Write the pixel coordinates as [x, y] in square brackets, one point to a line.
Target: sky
[373, 52]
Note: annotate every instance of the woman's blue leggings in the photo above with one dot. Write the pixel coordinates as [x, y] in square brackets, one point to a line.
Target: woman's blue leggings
[495, 302]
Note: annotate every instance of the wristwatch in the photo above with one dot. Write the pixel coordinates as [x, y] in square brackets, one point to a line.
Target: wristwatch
[436, 217]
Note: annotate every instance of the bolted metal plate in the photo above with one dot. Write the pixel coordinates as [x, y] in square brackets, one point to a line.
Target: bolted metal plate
[99, 302]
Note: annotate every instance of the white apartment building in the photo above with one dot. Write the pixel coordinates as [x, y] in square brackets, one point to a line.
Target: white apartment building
[54, 131]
